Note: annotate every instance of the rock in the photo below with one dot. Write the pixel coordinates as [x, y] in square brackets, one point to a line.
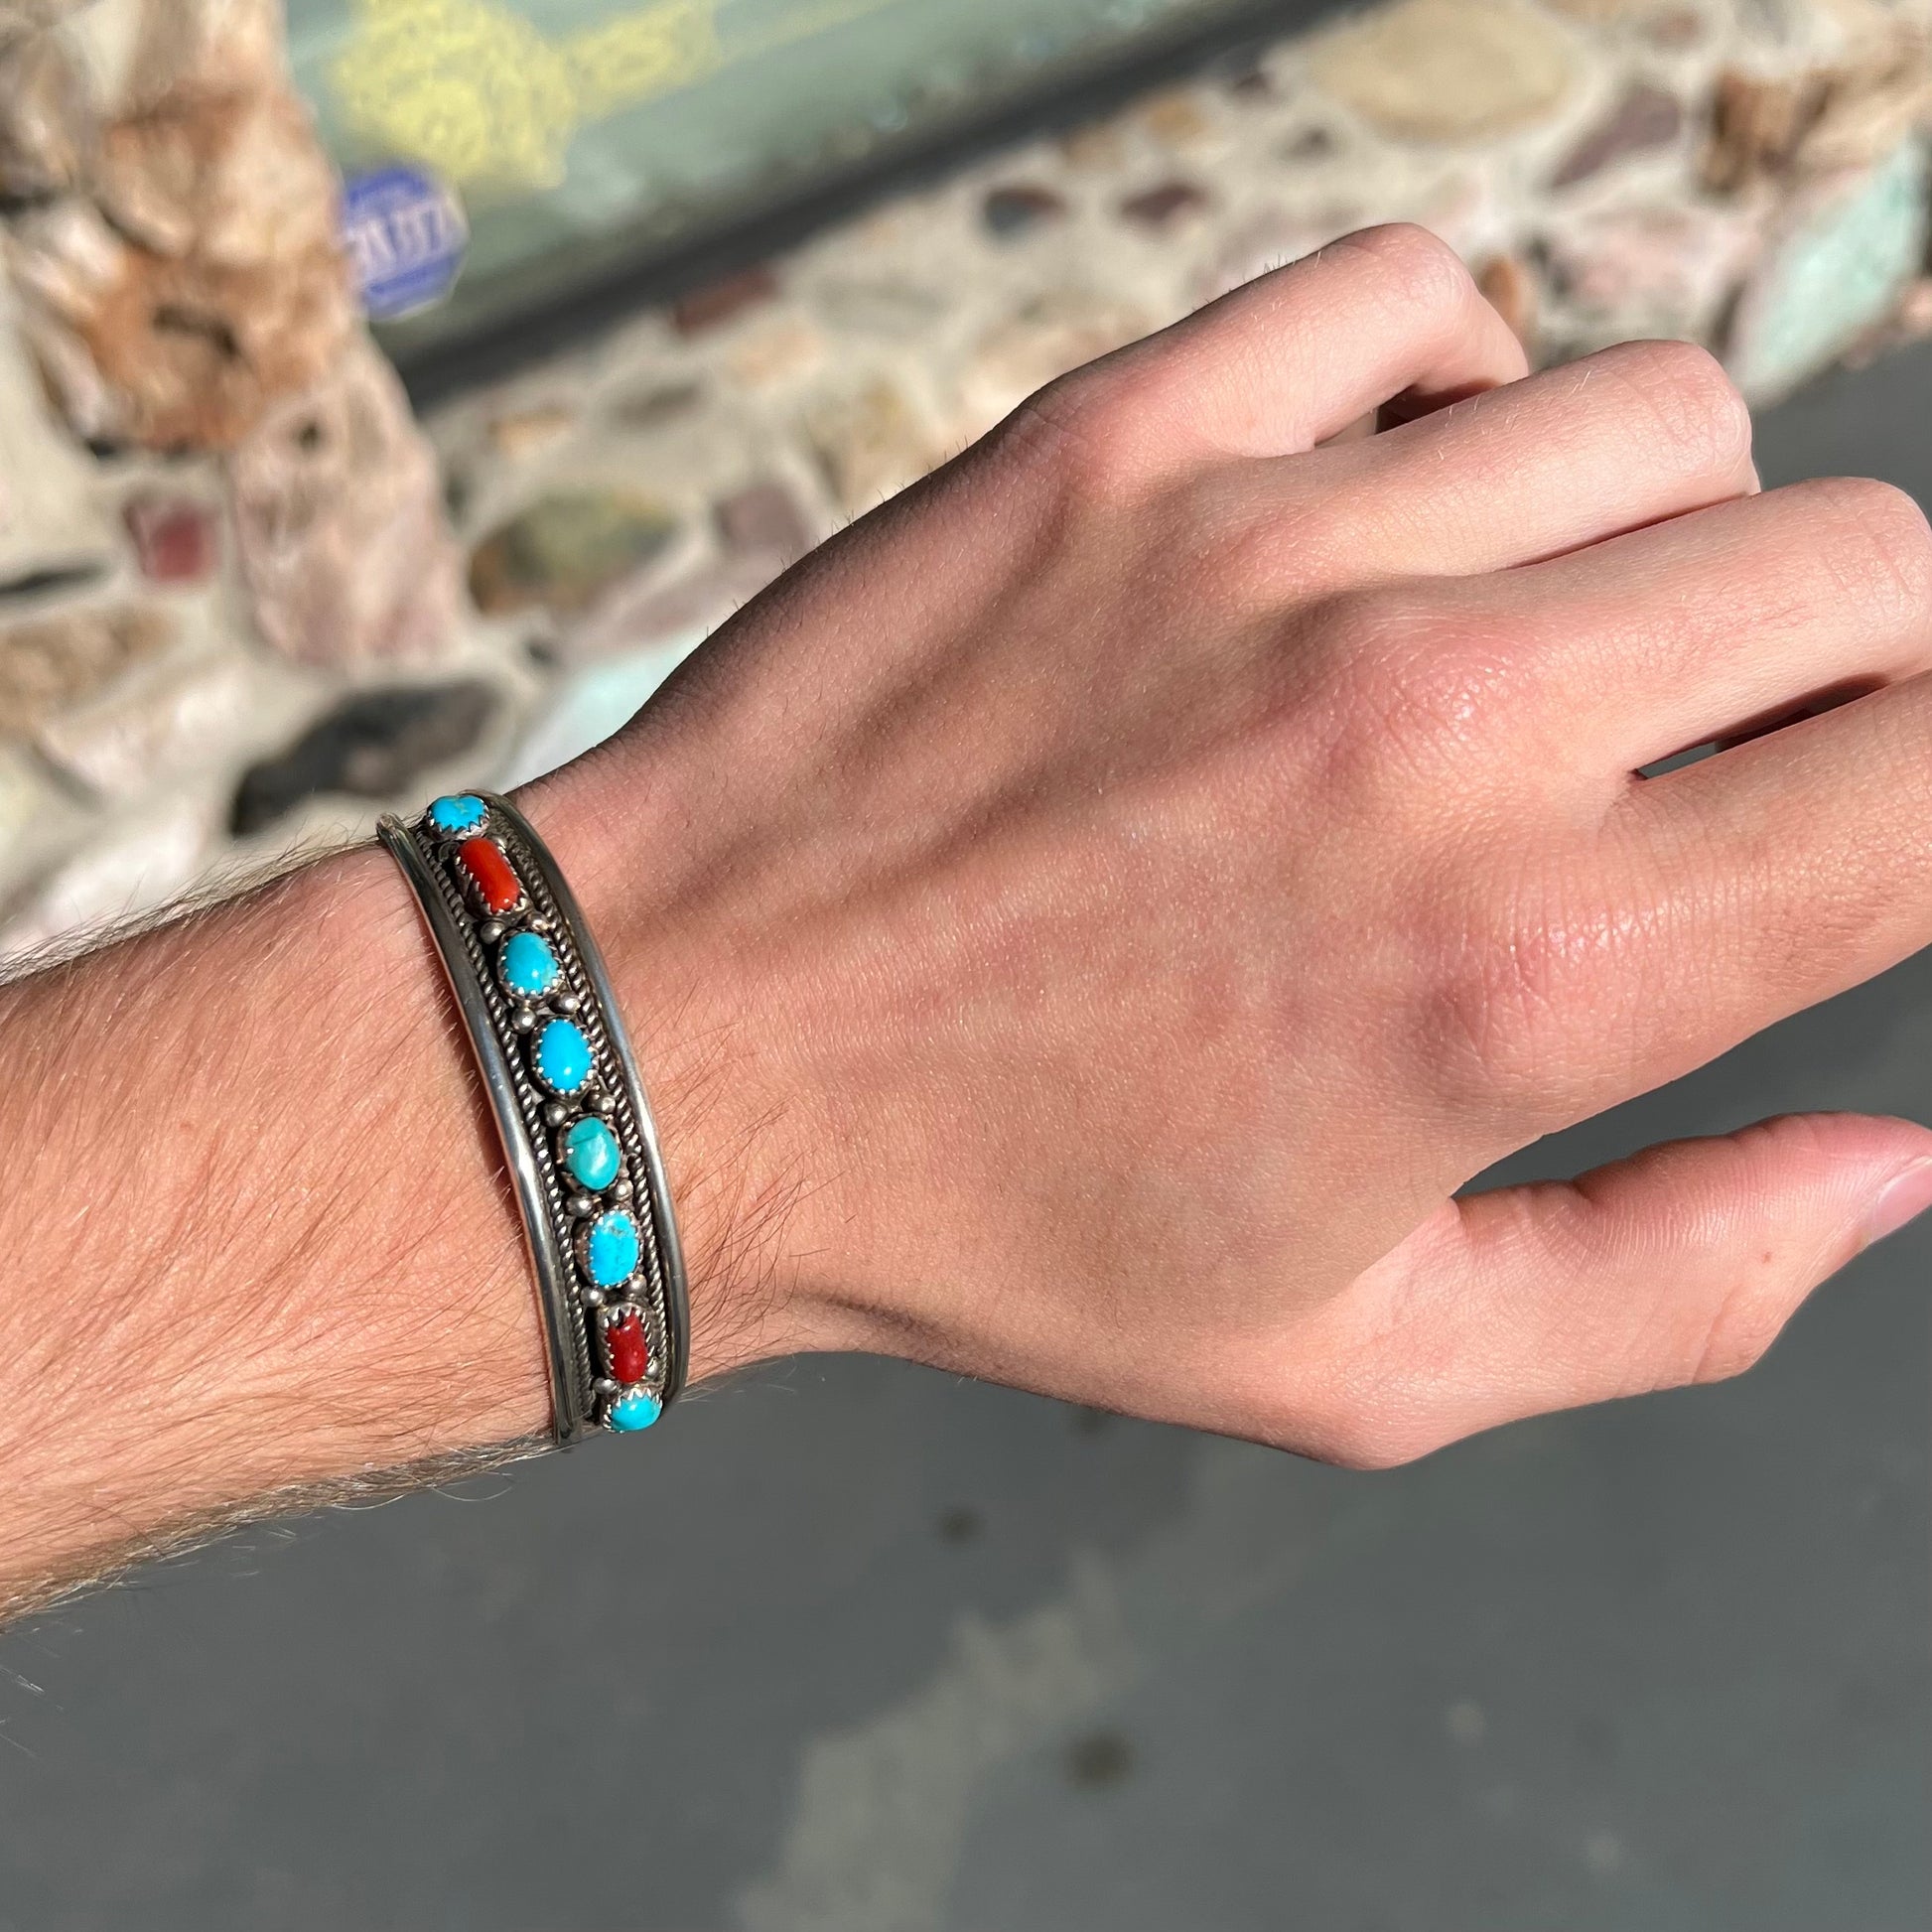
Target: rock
[1315, 143]
[1646, 119]
[1509, 287]
[765, 518]
[653, 408]
[340, 523]
[872, 443]
[1160, 208]
[1019, 207]
[1448, 71]
[724, 301]
[376, 744]
[50, 662]
[1871, 106]
[564, 551]
[1054, 332]
[174, 540]
[1841, 262]
[1094, 148]
[651, 616]
[184, 717]
[1756, 124]
[1178, 120]
[199, 277]
[519, 433]
[47, 121]
[185, 49]
[781, 349]
[1655, 269]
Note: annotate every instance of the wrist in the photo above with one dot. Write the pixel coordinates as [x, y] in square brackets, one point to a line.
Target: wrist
[766, 1209]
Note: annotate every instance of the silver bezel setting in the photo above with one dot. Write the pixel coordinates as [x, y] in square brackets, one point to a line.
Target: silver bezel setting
[533, 1119]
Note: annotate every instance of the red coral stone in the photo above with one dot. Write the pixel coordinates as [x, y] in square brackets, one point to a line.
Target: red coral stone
[627, 1346]
[497, 884]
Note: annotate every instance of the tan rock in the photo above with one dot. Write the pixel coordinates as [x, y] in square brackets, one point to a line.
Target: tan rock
[203, 46]
[1756, 124]
[1178, 119]
[1448, 70]
[872, 443]
[782, 349]
[47, 130]
[1510, 289]
[340, 526]
[520, 433]
[49, 663]
[1055, 332]
[200, 277]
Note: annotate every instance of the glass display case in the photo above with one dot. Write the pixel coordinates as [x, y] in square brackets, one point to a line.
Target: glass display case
[500, 154]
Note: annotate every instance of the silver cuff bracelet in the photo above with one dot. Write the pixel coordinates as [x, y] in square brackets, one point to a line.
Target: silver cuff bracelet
[569, 1106]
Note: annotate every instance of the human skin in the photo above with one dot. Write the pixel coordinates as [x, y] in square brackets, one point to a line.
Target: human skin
[1083, 927]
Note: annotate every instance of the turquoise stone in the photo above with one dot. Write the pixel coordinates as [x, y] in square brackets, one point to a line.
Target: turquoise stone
[638, 1409]
[563, 1056]
[592, 1154]
[457, 814]
[612, 1250]
[528, 965]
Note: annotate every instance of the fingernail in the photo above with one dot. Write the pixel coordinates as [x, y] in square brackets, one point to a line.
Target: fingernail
[1903, 1196]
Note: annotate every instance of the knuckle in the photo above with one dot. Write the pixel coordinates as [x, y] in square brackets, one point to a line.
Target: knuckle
[1426, 681]
[1418, 268]
[1878, 542]
[1685, 397]
[1499, 1011]
[1086, 430]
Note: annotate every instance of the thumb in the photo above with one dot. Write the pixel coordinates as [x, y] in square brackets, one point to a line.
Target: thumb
[1678, 1265]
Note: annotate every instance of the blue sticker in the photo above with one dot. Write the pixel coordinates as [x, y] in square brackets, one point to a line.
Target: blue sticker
[406, 237]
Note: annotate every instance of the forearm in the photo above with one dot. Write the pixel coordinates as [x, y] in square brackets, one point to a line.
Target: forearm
[259, 1241]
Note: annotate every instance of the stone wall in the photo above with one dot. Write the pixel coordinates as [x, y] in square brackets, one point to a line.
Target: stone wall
[245, 604]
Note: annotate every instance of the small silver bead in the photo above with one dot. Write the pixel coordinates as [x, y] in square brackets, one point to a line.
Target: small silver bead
[593, 1298]
[569, 1002]
[523, 1019]
[556, 1113]
[489, 931]
[605, 1386]
[581, 1204]
[539, 923]
[620, 1188]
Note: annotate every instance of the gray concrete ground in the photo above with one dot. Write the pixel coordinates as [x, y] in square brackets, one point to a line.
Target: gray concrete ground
[854, 1648]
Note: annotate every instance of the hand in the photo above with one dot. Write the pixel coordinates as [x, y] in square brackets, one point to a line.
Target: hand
[1088, 920]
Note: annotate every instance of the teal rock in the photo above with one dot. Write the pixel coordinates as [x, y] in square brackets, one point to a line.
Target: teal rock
[636, 1409]
[1837, 271]
[528, 965]
[592, 1154]
[611, 1249]
[459, 815]
[563, 1056]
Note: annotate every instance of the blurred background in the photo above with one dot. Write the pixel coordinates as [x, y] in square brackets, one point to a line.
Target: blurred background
[391, 393]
